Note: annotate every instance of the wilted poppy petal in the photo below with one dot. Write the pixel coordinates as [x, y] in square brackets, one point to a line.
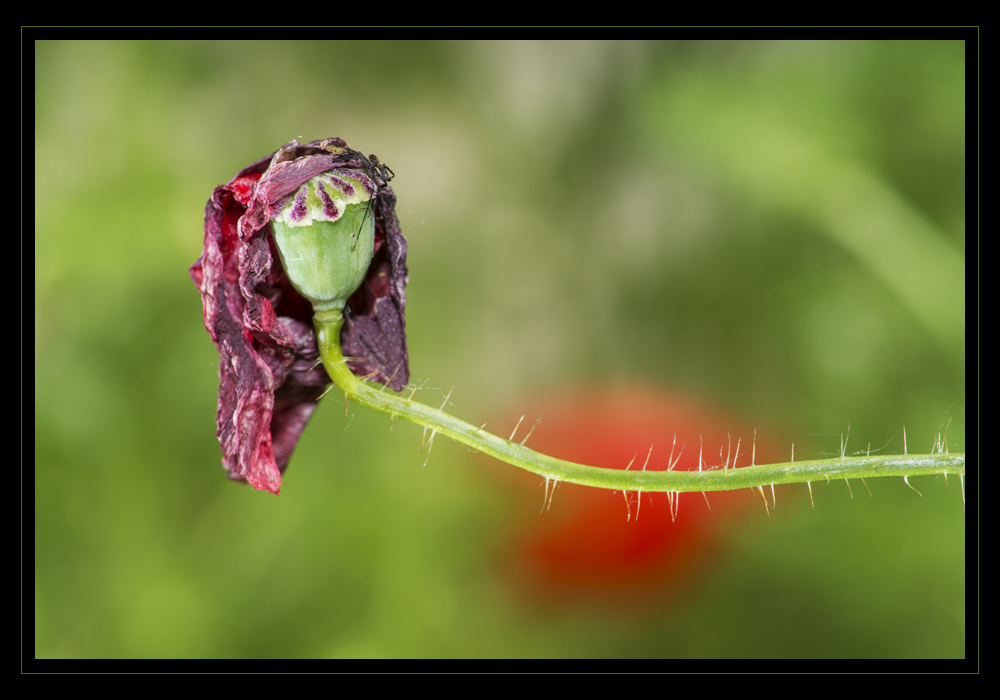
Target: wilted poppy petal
[375, 324]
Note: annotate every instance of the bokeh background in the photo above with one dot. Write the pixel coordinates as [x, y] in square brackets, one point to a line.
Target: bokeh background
[629, 240]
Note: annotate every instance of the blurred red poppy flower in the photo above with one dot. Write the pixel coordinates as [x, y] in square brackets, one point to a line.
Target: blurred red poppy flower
[593, 544]
[269, 378]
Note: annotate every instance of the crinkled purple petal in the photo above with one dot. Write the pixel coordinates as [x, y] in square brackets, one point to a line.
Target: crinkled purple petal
[374, 333]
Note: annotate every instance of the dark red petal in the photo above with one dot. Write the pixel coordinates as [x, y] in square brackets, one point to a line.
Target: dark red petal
[246, 395]
[375, 320]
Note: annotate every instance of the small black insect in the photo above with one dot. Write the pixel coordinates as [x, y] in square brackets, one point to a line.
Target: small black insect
[380, 174]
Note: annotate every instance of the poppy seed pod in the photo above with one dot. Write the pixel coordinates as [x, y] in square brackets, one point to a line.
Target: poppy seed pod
[325, 236]
[260, 320]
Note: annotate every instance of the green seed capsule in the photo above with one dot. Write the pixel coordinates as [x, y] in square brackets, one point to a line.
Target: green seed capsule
[325, 236]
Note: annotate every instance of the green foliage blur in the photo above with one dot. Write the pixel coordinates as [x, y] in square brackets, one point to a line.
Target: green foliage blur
[775, 228]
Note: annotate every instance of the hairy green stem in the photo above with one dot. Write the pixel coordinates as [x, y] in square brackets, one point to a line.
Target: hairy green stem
[328, 325]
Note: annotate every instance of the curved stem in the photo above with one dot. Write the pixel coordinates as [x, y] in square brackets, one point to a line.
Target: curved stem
[328, 325]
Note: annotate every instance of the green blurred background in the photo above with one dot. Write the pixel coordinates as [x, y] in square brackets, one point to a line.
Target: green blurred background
[777, 229]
